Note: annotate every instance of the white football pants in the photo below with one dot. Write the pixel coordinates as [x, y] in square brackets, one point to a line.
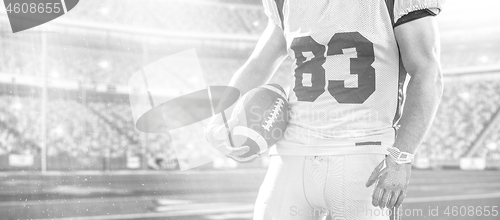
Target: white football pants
[311, 187]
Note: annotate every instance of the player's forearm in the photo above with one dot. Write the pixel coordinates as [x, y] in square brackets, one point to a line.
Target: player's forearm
[254, 73]
[267, 56]
[419, 45]
[424, 93]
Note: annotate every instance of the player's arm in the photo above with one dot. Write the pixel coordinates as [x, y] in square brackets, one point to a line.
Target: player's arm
[418, 41]
[267, 56]
[420, 48]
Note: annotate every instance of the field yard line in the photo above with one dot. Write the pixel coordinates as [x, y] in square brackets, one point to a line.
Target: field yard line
[157, 199]
[129, 172]
[455, 185]
[196, 207]
[452, 198]
[79, 201]
[247, 215]
[239, 208]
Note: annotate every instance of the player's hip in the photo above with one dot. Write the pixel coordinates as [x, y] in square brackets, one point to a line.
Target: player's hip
[316, 186]
[299, 141]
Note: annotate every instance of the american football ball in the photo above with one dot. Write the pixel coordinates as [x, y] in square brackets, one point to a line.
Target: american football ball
[262, 118]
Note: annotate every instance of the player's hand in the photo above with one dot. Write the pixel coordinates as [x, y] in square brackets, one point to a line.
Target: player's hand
[393, 179]
[217, 134]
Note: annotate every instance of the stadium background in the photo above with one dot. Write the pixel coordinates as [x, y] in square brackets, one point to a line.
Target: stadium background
[63, 95]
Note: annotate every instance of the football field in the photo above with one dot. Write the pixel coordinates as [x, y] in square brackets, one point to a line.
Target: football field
[213, 195]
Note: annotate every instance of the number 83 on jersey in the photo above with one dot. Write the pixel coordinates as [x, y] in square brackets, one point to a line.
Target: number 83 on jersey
[344, 91]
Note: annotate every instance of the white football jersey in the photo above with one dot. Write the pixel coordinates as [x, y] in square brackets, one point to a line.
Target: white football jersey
[346, 91]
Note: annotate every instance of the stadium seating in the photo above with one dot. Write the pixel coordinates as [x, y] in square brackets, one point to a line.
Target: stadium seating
[71, 128]
[175, 16]
[79, 130]
[467, 106]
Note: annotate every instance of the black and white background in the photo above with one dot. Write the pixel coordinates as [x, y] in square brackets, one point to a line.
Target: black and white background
[69, 149]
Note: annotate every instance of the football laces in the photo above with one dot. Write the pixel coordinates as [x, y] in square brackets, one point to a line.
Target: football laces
[274, 114]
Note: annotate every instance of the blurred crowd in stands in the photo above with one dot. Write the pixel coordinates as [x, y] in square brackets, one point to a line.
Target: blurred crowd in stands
[100, 128]
[467, 106]
[175, 16]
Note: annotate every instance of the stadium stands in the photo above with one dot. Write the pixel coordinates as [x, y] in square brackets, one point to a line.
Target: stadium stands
[468, 105]
[71, 128]
[78, 130]
[175, 15]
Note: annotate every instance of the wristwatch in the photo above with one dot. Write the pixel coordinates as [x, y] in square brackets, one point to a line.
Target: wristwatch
[400, 157]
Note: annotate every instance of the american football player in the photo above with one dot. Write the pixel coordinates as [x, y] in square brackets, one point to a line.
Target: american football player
[347, 150]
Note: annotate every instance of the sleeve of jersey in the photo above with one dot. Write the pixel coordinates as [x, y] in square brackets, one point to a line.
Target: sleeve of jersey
[403, 7]
[271, 11]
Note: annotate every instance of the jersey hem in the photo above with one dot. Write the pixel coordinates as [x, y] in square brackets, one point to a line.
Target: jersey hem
[327, 150]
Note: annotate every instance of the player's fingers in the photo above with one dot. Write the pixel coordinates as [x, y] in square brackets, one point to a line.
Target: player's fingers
[380, 185]
[381, 180]
[232, 123]
[385, 198]
[377, 194]
[238, 151]
[401, 197]
[383, 175]
[245, 159]
[236, 158]
[222, 131]
[215, 134]
[223, 149]
[375, 174]
[394, 198]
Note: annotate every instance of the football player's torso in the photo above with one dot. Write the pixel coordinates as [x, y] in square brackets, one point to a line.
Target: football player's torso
[345, 71]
